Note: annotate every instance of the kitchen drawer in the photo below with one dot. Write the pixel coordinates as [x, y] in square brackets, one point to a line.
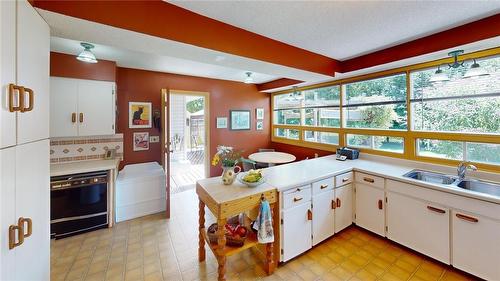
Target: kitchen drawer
[322, 185]
[343, 179]
[296, 196]
[369, 180]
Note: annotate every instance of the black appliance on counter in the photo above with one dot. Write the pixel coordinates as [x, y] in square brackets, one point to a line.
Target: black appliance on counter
[78, 203]
[350, 153]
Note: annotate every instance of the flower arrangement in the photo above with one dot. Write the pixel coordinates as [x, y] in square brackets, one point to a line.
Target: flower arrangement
[227, 156]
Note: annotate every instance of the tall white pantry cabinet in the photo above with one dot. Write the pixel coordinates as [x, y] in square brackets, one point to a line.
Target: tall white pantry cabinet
[24, 144]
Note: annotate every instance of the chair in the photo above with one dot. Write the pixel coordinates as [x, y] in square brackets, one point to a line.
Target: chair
[248, 164]
[259, 165]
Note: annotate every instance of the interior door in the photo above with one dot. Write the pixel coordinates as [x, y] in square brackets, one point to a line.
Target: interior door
[7, 71]
[33, 202]
[96, 108]
[63, 104]
[33, 49]
[165, 148]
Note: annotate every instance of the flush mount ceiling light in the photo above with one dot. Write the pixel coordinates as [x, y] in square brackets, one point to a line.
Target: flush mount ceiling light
[474, 70]
[248, 79]
[86, 55]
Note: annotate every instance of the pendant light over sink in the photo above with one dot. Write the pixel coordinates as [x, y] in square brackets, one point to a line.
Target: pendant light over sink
[86, 55]
[474, 70]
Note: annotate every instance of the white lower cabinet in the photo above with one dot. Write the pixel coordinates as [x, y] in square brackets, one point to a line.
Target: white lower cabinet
[421, 226]
[323, 225]
[344, 207]
[370, 208]
[476, 247]
[296, 231]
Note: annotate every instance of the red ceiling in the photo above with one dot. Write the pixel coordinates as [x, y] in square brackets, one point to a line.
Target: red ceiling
[161, 19]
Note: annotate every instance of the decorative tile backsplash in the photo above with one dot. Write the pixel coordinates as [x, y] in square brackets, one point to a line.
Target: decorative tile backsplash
[72, 149]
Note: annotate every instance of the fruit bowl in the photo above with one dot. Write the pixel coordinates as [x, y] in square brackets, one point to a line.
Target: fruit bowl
[260, 179]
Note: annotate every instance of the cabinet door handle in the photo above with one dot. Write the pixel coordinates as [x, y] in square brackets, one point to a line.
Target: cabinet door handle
[31, 100]
[73, 117]
[370, 180]
[21, 223]
[380, 205]
[437, 210]
[323, 186]
[12, 93]
[339, 203]
[334, 205]
[309, 215]
[295, 199]
[467, 218]
[12, 236]
[345, 179]
[81, 117]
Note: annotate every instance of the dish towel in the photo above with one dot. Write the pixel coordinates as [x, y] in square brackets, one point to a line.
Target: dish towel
[264, 223]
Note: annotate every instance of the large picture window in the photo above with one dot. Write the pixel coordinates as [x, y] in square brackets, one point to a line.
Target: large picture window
[377, 103]
[453, 118]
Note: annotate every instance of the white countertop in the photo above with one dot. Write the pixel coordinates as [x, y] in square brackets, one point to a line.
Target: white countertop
[291, 175]
[60, 169]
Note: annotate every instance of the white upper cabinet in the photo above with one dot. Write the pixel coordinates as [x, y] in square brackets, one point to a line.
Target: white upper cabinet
[81, 107]
[33, 50]
[7, 72]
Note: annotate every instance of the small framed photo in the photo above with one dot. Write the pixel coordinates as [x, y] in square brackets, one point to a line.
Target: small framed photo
[259, 113]
[139, 114]
[240, 119]
[221, 122]
[141, 141]
[259, 126]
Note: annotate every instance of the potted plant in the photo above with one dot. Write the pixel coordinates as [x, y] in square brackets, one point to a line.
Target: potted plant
[228, 157]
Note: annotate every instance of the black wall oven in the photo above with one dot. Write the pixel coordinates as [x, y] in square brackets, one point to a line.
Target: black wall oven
[78, 203]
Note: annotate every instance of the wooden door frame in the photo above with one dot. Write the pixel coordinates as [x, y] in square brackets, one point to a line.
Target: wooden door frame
[165, 111]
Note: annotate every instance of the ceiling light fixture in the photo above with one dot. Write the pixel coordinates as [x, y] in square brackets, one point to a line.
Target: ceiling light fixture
[86, 55]
[248, 79]
[474, 70]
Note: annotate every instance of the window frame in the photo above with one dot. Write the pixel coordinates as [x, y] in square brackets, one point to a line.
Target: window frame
[409, 135]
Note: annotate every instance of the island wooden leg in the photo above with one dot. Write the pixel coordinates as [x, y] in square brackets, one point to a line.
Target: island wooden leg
[270, 264]
[201, 229]
[221, 243]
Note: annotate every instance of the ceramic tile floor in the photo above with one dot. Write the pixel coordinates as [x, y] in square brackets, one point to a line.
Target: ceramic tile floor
[153, 248]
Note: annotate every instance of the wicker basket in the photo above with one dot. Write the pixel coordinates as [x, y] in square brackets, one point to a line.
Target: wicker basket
[230, 240]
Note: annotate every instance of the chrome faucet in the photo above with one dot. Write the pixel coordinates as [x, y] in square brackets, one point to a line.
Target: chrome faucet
[462, 169]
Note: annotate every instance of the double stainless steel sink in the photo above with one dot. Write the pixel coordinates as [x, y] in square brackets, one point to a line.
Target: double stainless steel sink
[469, 184]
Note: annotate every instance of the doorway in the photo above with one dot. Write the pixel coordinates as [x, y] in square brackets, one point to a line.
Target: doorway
[185, 139]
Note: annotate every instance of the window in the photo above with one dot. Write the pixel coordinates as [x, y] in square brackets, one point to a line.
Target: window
[469, 105]
[391, 144]
[321, 137]
[287, 133]
[488, 153]
[377, 103]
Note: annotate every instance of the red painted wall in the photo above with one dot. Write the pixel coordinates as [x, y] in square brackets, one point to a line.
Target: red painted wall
[63, 65]
[141, 85]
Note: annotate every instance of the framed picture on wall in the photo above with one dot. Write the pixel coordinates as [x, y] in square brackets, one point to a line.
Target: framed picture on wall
[240, 119]
[139, 115]
[141, 141]
[259, 126]
[221, 122]
[259, 113]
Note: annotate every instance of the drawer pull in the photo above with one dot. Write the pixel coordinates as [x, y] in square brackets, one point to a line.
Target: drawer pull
[295, 199]
[467, 218]
[323, 186]
[309, 215]
[370, 180]
[334, 205]
[437, 210]
[339, 203]
[345, 179]
[380, 206]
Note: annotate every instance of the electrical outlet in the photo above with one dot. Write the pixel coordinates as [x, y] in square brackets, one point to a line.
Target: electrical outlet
[153, 139]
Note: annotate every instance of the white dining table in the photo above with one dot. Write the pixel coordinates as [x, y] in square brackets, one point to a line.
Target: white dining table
[272, 157]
